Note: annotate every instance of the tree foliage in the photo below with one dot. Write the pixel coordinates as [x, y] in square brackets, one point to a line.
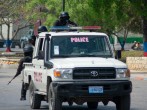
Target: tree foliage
[12, 12]
[140, 6]
[112, 15]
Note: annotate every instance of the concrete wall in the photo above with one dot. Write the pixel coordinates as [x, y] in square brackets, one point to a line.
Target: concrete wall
[137, 63]
[4, 30]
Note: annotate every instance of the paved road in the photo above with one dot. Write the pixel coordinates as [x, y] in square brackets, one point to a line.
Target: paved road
[10, 94]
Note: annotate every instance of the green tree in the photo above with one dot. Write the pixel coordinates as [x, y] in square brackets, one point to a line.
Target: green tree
[114, 16]
[140, 6]
[11, 12]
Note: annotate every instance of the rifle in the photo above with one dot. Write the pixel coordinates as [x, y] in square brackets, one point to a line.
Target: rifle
[12, 79]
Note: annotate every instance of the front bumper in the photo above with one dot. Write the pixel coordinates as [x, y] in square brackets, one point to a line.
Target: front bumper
[111, 88]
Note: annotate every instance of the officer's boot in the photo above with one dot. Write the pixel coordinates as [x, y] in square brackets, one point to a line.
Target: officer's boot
[23, 93]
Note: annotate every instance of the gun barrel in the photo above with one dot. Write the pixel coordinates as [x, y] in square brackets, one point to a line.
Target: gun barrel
[10, 81]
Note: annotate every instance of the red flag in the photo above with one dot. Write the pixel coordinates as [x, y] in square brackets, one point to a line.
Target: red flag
[36, 25]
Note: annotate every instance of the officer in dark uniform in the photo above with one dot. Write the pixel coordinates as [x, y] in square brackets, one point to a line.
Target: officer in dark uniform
[42, 29]
[32, 38]
[64, 20]
[28, 52]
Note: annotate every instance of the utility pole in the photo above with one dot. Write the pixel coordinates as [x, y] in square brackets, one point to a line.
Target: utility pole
[145, 31]
[63, 5]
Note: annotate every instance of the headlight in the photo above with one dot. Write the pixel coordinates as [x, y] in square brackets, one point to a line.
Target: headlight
[122, 73]
[63, 73]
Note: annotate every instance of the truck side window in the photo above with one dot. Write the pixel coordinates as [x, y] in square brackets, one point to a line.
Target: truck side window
[40, 52]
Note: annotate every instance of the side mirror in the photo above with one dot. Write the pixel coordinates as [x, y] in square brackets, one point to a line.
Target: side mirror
[48, 64]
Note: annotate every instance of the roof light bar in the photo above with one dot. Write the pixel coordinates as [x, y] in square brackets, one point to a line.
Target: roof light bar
[92, 27]
[75, 28]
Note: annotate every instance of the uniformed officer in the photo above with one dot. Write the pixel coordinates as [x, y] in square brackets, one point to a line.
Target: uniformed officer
[32, 39]
[42, 29]
[64, 20]
[28, 51]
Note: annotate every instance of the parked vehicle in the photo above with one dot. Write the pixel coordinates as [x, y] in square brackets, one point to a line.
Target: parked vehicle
[76, 67]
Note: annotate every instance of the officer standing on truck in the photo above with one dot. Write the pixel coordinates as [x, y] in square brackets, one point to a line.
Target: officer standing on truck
[64, 20]
[28, 52]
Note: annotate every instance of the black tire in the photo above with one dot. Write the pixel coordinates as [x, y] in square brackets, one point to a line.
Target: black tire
[35, 99]
[53, 100]
[92, 105]
[123, 103]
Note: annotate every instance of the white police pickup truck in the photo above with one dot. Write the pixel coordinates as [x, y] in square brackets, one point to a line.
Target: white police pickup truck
[76, 67]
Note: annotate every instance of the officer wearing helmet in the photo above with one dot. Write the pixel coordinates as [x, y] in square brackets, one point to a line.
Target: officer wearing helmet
[32, 39]
[42, 29]
[64, 20]
[28, 52]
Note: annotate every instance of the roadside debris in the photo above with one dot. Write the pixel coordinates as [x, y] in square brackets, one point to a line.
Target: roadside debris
[8, 62]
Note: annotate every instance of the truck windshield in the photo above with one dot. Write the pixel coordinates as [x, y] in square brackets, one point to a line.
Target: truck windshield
[80, 46]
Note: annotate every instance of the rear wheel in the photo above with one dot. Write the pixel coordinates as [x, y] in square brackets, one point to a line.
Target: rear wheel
[123, 103]
[35, 99]
[92, 105]
[53, 100]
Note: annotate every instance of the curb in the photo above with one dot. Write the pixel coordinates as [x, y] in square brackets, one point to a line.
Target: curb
[8, 61]
[138, 71]
[11, 54]
[9, 66]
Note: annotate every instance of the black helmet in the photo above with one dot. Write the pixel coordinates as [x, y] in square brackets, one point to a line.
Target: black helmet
[64, 15]
[28, 48]
[42, 29]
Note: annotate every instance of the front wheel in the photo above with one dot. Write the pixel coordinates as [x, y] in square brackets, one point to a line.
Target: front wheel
[35, 99]
[123, 103]
[53, 100]
[92, 105]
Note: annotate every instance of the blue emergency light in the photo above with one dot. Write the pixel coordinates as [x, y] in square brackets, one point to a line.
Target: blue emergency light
[56, 28]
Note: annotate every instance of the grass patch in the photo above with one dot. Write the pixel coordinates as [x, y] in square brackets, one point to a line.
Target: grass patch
[126, 54]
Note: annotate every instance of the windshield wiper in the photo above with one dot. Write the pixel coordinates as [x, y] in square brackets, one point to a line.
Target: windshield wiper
[81, 55]
[85, 55]
[92, 55]
[61, 56]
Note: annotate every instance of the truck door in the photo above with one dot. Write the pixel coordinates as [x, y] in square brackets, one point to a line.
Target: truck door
[38, 63]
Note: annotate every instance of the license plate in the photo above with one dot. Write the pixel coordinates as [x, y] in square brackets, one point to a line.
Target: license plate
[95, 89]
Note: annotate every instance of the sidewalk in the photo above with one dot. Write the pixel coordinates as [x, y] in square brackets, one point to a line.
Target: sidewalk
[10, 57]
[9, 63]
[139, 75]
